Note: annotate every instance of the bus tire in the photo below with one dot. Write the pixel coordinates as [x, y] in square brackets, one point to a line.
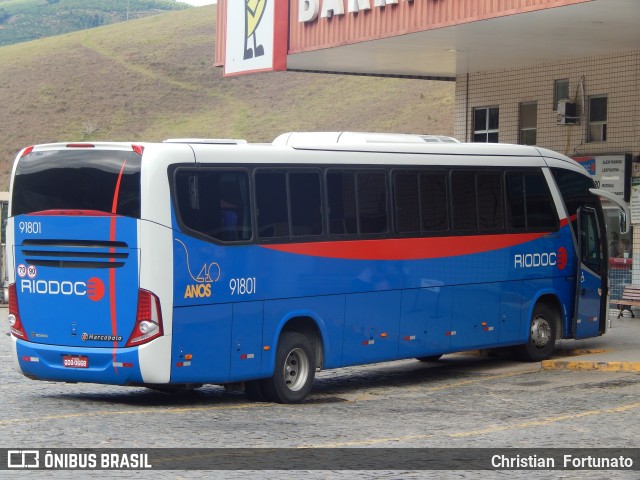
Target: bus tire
[542, 335]
[295, 369]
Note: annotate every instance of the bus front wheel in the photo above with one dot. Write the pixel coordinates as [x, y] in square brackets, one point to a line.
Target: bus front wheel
[542, 335]
[294, 372]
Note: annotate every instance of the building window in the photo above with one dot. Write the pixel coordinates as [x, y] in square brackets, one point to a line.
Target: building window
[598, 119]
[560, 92]
[485, 124]
[528, 123]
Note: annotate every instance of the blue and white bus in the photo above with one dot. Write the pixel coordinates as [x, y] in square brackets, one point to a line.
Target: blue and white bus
[189, 262]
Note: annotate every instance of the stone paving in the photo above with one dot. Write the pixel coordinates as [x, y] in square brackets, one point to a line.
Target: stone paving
[469, 400]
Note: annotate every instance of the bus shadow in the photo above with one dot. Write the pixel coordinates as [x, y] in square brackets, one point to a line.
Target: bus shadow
[329, 385]
[408, 373]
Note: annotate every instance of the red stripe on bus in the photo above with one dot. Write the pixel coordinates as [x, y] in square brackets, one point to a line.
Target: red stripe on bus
[407, 248]
[112, 271]
[71, 213]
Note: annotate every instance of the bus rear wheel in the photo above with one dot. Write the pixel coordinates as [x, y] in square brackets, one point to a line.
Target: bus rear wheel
[295, 370]
[542, 335]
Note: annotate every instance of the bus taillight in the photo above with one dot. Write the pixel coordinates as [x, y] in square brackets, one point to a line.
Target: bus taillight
[139, 149]
[14, 315]
[148, 319]
[26, 151]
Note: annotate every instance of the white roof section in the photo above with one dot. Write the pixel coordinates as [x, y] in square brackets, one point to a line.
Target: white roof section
[357, 138]
[208, 141]
[335, 148]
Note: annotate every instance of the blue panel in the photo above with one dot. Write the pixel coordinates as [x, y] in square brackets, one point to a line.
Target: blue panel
[328, 314]
[476, 315]
[372, 327]
[101, 368]
[246, 341]
[425, 321]
[510, 330]
[588, 321]
[66, 291]
[205, 333]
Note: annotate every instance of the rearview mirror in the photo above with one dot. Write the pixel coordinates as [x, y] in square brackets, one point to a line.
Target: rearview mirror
[623, 221]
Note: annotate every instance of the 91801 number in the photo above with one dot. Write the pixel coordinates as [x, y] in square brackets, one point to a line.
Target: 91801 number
[33, 228]
[243, 286]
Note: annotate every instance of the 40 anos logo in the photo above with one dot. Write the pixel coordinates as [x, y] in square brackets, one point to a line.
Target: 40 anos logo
[208, 274]
[541, 259]
[199, 290]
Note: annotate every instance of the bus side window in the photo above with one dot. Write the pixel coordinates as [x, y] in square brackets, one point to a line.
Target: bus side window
[271, 201]
[407, 205]
[590, 241]
[305, 201]
[463, 193]
[540, 208]
[372, 203]
[214, 203]
[420, 200]
[490, 201]
[341, 193]
[515, 201]
[433, 200]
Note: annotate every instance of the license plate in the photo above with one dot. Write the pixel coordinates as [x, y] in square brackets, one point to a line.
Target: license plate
[75, 361]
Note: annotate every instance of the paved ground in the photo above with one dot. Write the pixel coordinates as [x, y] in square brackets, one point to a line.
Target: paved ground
[589, 400]
[616, 351]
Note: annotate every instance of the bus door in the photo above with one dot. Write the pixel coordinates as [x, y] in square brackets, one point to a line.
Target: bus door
[591, 278]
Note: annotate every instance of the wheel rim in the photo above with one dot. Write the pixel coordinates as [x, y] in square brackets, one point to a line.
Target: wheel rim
[296, 369]
[540, 332]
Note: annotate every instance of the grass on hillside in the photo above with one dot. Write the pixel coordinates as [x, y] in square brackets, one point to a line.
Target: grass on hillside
[24, 20]
[152, 79]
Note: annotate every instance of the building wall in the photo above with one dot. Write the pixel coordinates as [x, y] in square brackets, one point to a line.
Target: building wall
[614, 75]
[406, 16]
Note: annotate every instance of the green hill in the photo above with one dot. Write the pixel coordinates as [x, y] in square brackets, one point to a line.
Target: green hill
[152, 79]
[24, 20]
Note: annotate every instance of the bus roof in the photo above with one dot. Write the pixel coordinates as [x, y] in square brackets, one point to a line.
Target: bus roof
[363, 142]
[357, 138]
[208, 141]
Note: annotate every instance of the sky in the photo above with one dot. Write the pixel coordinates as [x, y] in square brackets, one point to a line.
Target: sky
[198, 3]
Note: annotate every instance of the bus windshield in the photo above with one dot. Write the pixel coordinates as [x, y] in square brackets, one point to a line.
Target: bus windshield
[80, 179]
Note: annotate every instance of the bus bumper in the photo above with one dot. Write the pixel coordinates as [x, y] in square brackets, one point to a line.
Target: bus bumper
[119, 366]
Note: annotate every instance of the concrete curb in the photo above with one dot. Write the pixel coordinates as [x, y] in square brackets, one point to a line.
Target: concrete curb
[585, 365]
